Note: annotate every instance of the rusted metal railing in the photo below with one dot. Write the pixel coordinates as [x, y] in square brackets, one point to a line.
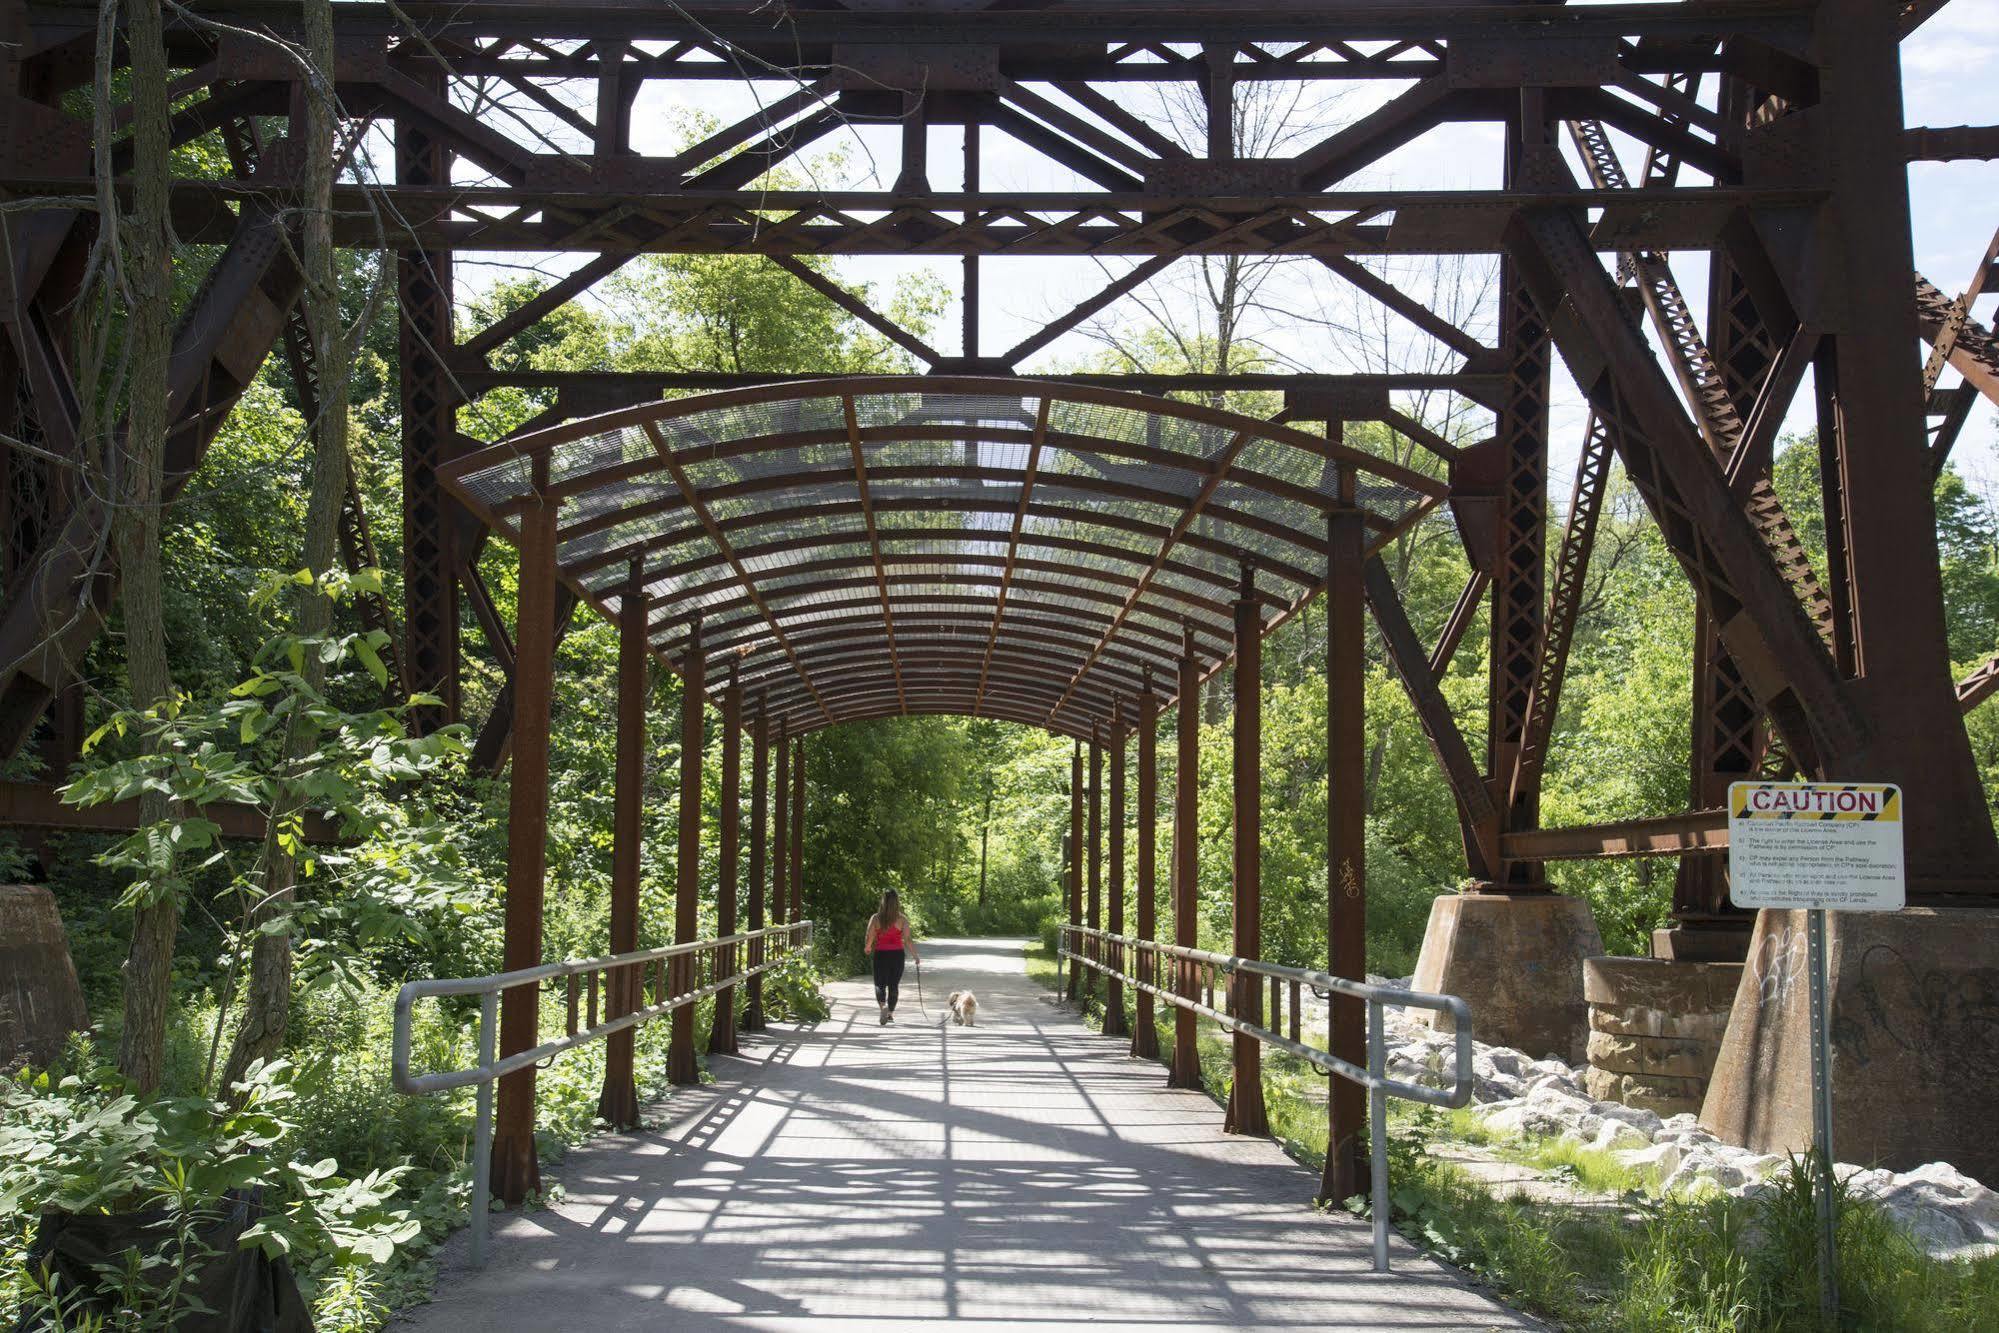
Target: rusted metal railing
[1196, 973]
[675, 973]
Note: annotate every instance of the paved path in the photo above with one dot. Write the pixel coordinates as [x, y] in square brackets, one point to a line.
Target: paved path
[1022, 1173]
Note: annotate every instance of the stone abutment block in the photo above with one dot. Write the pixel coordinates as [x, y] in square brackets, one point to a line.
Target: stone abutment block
[1656, 1029]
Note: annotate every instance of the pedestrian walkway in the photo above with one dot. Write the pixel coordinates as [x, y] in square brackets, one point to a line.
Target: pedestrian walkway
[1024, 1173]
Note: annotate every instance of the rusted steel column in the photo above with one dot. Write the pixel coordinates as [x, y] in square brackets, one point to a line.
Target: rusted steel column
[681, 1066]
[1346, 1171]
[1519, 577]
[780, 845]
[798, 830]
[1246, 1111]
[1184, 1070]
[1114, 1024]
[1093, 860]
[1144, 1031]
[1895, 593]
[1075, 849]
[722, 1034]
[516, 1172]
[431, 531]
[753, 1004]
[618, 1103]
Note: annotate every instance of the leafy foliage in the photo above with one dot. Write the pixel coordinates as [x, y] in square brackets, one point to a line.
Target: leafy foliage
[84, 1144]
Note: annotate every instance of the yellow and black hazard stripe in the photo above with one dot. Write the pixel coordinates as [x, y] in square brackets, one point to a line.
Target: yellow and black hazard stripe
[1890, 811]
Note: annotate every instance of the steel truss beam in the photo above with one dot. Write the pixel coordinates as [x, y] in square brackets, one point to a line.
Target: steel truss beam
[535, 168]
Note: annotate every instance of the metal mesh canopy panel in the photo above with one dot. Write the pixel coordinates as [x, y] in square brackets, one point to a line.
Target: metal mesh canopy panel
[868, 546]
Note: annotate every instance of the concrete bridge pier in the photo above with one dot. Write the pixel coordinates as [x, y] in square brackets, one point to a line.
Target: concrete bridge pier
[1517, 960]
[1915, 1039]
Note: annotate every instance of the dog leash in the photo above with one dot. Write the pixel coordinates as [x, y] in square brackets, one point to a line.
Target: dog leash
[920, 1006]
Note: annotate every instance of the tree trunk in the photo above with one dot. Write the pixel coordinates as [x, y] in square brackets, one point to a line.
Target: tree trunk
[134, 467]
[985, 837]
[267, 994]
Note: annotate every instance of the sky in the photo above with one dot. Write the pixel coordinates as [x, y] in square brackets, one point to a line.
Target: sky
[1951, 77]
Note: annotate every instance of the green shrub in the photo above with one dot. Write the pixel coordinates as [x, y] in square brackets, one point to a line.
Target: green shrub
[84, 1143]
[791, 992]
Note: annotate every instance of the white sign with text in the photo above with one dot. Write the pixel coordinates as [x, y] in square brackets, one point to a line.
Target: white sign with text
[1830, 845]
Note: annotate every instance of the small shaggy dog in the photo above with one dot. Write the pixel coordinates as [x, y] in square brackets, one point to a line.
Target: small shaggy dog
[964, 1008]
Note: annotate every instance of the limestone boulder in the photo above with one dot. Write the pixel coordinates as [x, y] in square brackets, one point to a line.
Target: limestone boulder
[1658, 1160]
[1950, 1214]
[1708, 1168]
[1617, 1136]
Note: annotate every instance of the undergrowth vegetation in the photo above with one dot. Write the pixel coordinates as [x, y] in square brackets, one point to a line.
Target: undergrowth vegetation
[359, 1183]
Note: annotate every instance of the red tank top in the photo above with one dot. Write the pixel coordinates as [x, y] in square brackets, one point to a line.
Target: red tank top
[889, 937]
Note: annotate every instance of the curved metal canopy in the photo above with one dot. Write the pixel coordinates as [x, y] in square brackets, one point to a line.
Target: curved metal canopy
[871, 546]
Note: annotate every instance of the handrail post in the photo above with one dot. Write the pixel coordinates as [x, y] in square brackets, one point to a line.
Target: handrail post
[482, 1129]
[1377, 1130]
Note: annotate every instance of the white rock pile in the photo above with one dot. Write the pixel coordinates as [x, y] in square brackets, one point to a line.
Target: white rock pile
[1951, 1215]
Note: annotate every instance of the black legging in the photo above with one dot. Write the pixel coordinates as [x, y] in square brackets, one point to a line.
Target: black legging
[888, 976]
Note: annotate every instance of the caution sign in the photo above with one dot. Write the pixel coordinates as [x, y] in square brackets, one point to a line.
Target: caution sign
[1829, 845]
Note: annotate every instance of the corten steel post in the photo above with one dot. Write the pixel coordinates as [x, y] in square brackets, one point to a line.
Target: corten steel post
[1114, 1024]
[780, 845]
[1093, 860]
[681, 1067]
[618, 1104]
[1246, 1113]
[1144, 1031]
[516, 1172]
[1076, 970]
[753, 1003]
[1346, 1172]
[798, 830]
[1901, 655]
[722, 1034]
[1184, 1071]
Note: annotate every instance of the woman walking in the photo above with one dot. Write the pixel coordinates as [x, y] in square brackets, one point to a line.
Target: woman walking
[889, 937]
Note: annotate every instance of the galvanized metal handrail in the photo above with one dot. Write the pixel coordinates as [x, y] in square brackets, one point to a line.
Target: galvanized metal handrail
[1374, 1077]
[785, 941]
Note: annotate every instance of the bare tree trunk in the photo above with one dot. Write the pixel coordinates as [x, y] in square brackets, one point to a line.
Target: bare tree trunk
[135, 476]
[267, 993]
[985, 832]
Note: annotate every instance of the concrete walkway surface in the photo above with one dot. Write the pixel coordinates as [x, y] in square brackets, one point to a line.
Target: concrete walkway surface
[1024, 1174]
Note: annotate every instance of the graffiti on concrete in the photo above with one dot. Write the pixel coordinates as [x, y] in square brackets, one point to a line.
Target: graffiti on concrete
[1945, 1021]
[1778, 964]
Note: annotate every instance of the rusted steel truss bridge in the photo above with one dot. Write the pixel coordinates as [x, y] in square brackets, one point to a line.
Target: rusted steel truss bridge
[1080, 553]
